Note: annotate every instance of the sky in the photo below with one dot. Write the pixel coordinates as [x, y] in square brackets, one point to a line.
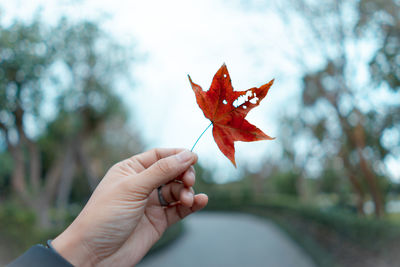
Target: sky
[175, 38]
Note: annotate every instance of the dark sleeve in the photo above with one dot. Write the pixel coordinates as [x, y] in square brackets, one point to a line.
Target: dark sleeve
[39, 255]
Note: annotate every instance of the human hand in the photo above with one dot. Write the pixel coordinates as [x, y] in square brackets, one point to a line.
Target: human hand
[123, 218]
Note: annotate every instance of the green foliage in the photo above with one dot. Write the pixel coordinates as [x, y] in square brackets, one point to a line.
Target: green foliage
[342, 136]
[285, 183]
[80, 191]
[18, 231]
[383, 15]
[14, 215]
[6, 166]
[57, 95]
[329, 181]
[25, 56]
[93, 63]
[366, 231]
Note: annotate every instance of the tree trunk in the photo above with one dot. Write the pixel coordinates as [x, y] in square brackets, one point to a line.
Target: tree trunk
[18, 175]
[41, 207]
[66, 179]
[359, 192]
[35, 166]
[355, 183]
[370, 177]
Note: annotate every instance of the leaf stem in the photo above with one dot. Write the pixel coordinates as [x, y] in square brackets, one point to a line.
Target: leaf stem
[201, 136]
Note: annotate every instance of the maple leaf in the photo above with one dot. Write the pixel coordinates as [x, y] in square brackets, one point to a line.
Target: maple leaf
[227, 109]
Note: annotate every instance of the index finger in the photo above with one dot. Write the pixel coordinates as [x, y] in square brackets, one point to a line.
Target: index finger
[148, 158]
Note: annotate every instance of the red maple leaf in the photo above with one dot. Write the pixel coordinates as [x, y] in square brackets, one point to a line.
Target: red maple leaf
[227, 110]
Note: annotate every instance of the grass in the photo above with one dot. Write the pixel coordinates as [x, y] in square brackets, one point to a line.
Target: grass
[18, 233]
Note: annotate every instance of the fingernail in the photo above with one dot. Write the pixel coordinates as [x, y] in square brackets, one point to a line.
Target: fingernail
[184, 156]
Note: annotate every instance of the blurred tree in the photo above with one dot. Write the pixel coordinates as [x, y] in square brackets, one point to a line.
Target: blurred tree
[383, 16]
[24, 59]
[79, 65]
[349, 117]
[339, 110]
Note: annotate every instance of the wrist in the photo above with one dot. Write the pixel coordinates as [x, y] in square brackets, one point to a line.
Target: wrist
[70, 246]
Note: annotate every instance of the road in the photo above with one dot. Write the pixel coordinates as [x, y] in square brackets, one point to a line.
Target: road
[229, 239]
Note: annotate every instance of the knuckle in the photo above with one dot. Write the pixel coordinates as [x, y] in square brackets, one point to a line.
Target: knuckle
[153, 151]
[156, 152]
[175, 192]
[164, 166]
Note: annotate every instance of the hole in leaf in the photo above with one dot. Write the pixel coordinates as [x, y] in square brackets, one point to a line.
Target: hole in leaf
[224, 102]
[224, 75]
[254, 100]
[244, 107]
[249, 96]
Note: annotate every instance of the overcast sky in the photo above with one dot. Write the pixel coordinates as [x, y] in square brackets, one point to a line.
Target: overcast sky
[177, 38]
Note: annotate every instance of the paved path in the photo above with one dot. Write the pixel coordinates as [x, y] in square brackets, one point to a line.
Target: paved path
[228, 239]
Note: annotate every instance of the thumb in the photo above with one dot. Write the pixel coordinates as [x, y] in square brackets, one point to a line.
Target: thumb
[165, 170]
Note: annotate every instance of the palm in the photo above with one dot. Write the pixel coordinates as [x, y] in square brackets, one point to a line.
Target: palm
[147, 220]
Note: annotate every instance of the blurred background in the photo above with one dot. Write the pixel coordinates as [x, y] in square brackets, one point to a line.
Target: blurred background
[84, 84]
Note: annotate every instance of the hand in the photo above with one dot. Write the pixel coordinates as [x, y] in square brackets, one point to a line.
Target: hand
[123, 218]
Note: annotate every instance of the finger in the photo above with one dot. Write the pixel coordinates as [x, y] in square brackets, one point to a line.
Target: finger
[189, 177]
[186, 197]
[178, 212]
[164, 170]
[174, 192]
[148, 158]
[200, 201]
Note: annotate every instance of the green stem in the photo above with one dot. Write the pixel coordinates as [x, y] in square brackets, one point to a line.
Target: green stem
[201, 136]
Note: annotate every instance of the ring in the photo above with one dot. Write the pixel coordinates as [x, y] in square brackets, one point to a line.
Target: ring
[163, 203]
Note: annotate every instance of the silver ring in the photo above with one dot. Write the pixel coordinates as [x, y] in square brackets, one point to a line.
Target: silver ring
[163, 203]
